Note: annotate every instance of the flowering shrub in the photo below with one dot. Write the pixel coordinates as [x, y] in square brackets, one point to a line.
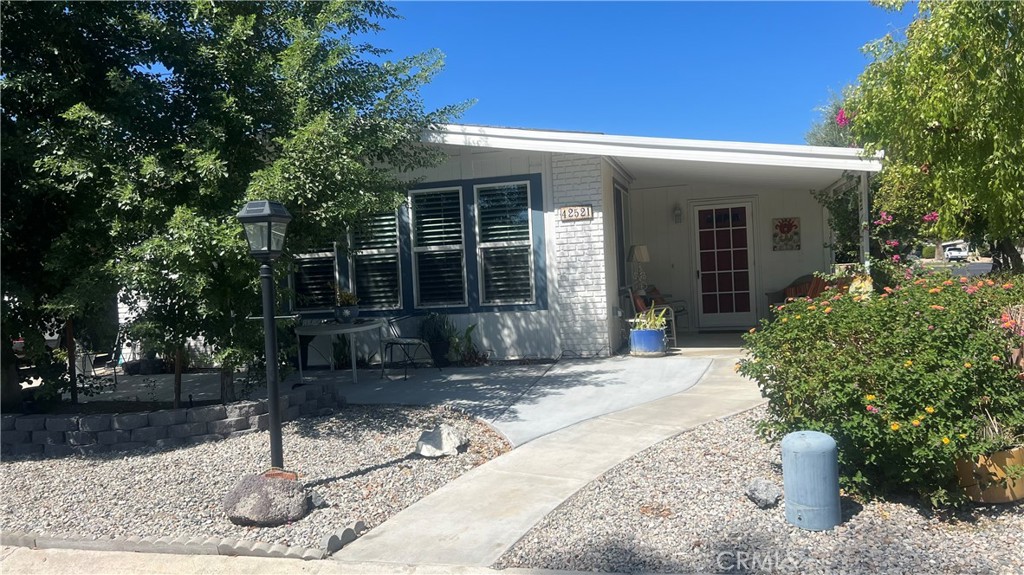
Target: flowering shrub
[906, 380]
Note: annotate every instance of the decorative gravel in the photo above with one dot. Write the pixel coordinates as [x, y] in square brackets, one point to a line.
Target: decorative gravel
[681, 507]
[360, 460]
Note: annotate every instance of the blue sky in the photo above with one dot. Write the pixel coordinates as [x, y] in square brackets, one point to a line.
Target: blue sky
[743, 71]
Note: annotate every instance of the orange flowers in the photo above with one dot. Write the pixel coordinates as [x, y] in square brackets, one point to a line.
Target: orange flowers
[916, 423]
[937, 307]
[935, 290]
[895, 426]
[827, 310]
[995, 358]
[930, 409]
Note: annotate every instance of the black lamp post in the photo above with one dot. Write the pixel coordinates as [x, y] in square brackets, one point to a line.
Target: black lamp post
[265, 223]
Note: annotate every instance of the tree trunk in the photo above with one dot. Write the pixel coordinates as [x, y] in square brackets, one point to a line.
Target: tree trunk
[1011, 256]
[10, 384]
[69, 335]
[227, 385]
[178, 360]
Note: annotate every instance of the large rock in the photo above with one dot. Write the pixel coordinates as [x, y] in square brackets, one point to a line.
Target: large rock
[764, 493]
[266, 502]
[442, 440]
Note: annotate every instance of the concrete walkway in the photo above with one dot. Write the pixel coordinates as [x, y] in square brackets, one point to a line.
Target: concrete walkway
[469, 523]
[473, 520]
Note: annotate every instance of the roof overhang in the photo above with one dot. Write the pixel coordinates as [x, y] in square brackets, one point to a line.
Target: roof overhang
[660, 162]
[670, 149]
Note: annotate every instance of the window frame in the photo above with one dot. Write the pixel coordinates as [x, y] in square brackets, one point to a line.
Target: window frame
[415, 250]
[396, 251]
[297, 258]
[481, 245]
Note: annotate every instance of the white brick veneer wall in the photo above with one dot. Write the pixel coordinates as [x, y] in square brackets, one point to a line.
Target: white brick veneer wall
[579, 254]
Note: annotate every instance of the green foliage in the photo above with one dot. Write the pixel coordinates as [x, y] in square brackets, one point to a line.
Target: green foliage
[140, 128]
[463, 350]
[827, 131]
[906, 380]
[928, 252]
[945, 106]
[651, 319]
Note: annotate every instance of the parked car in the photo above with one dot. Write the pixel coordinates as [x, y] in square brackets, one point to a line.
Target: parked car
[956, 254]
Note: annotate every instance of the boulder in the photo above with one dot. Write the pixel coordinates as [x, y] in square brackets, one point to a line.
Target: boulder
[265, 501]
[440, 441]
[764, 493]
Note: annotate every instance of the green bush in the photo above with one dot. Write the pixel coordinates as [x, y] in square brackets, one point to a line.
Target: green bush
[928, 252]
[906, 380]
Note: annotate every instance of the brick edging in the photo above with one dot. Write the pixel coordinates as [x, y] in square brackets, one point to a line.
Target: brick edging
[87, 434]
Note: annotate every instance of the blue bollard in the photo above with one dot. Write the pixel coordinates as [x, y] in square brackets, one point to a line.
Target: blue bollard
[810, 477]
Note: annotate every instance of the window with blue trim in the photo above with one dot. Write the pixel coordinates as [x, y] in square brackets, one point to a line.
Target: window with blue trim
[439, 258]
[374, 263]
[503, 241]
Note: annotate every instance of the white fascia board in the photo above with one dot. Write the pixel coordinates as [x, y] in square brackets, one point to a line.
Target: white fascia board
[753, 154]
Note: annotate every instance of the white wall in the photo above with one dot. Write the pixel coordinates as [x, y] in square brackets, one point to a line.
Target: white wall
[671, 245]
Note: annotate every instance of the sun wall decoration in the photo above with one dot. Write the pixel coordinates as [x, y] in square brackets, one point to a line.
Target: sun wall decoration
[785, 234]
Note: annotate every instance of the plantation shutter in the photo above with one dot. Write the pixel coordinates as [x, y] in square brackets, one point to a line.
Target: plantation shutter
[438, 248]
[503, 213]
[314, 281]
[375, 263]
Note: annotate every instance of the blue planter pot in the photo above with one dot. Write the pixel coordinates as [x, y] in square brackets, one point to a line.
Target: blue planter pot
[647, 342]
[346, 314]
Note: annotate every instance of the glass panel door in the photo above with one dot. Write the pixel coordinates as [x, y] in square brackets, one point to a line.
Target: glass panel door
[724, 275]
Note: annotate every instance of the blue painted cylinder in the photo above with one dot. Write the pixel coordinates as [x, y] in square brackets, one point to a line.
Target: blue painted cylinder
[647, 342]
[810, 477]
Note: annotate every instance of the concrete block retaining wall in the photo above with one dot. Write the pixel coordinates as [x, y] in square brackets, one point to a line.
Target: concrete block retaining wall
[64, 435]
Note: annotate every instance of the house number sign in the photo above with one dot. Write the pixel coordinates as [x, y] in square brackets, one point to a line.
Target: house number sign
[574, 213]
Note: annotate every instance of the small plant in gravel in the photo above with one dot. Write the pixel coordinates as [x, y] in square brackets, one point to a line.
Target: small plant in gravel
[906, 379]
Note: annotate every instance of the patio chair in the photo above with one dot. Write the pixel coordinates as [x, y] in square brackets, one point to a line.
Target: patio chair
[641, 304]
[391, 337]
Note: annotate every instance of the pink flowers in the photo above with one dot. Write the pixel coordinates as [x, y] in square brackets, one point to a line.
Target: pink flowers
[892, 243]
[883, 218]
[872, 409]
[931, 217]
[896, 258]
[842, 119]
[971, 289]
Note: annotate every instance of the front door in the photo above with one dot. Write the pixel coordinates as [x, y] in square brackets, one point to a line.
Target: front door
[725, 282]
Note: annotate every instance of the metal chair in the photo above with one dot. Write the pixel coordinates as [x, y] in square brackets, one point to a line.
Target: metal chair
[391, 337]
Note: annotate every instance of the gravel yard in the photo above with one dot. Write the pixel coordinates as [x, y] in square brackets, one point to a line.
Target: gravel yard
[359, 459]
[681, 507]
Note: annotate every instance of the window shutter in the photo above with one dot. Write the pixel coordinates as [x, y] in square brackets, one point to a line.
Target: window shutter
[506, 268]
[375, 264]
[314, 281]
[438, 248]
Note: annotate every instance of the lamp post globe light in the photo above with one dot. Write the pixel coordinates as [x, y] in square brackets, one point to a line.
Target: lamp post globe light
[265, 223]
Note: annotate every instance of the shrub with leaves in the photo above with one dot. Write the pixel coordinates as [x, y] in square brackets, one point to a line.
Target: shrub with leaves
[906, 380]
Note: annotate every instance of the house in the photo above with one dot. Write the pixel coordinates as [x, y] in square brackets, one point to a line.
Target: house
[527, 233]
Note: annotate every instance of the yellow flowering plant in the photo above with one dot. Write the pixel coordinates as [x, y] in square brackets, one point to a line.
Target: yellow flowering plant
[906, 380]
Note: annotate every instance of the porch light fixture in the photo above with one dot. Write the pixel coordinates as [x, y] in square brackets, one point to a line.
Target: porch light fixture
[265, 223]
[677, 214]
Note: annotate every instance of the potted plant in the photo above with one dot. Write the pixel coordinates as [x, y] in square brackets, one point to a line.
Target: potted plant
[346, 307]
[438, 330]
[998, 476]
[647, 335]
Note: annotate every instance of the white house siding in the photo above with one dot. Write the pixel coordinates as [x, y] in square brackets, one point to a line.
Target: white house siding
[671, 244]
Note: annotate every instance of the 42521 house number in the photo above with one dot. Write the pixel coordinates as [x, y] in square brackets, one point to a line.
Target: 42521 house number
[573, 213]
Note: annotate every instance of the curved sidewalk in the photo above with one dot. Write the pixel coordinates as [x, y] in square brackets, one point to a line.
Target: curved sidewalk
[475, 519]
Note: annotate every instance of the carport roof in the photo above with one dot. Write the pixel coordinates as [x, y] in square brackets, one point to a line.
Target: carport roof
[656, 159]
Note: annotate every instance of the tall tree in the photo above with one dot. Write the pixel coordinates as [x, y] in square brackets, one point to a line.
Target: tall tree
[163, 118]
[945, 104]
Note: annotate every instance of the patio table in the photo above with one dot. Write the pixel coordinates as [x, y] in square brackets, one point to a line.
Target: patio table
[333, 328]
